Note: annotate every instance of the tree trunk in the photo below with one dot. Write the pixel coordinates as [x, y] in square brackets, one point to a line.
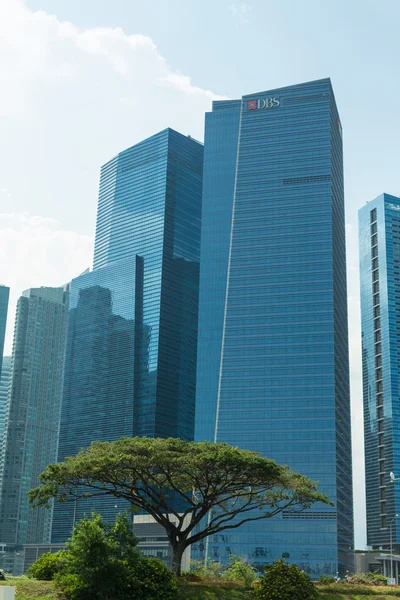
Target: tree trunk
[178, 548]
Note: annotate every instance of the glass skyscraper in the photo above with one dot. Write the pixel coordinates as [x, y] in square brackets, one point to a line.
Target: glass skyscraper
[379, 233]
[32, 415]
[132, 335]
[273, 371]
[4, 295]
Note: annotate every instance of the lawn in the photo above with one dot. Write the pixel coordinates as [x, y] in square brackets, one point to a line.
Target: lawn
[30, 589]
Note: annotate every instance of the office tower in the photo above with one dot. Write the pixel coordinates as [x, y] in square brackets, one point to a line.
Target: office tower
[273, 372]
[379, 232]
[132, 335]
[4, 295]
[33, 414]
[4, 380]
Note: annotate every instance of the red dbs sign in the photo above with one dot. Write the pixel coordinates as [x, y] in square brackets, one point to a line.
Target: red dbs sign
[252, 105]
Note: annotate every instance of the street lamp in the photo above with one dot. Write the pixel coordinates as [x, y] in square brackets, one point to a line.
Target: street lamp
[391, 547]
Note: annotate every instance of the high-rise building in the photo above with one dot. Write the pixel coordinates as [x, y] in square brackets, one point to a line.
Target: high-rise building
[273, 370]
[379, 232]
[4, 295]
[4, 381]
[132, 335]
[33, 415]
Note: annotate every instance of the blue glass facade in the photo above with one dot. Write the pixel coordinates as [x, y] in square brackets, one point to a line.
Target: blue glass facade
[379, 232]
[277, 379]
[4, 295]
[132, 333]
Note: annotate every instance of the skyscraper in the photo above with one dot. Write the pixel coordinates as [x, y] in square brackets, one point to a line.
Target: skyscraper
[4, 381]
[4, 295]
[273, 372]
[33, 413]
[379, 232]
[132, 334]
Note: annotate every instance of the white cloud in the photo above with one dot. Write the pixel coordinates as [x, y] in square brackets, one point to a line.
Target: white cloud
[70, 100]
[36, 251]
[241, 11]
[38, 48]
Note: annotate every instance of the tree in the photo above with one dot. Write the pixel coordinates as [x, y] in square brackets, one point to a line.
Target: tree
[215, 486]
[103, 563]
[47, 565]
[99, 560]
[285, 582]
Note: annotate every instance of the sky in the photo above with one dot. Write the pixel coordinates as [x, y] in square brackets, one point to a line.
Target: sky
[82, 80]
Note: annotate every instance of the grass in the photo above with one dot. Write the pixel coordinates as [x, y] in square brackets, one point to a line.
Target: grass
[30, 589]
[203, 591]
[357, 592]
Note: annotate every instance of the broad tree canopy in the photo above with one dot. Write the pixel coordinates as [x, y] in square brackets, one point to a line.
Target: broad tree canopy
[228, 485]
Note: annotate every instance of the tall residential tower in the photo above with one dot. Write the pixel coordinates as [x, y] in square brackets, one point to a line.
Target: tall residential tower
[4, 295]
[132, 333]
[32, 415]
[379, 232]
[4, 381]
[273, 370]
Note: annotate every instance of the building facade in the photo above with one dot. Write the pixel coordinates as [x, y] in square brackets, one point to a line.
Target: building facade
[32, 414]
[4, 381]
[132, 334]
[4, 296]
[379, 233]
[273, 371]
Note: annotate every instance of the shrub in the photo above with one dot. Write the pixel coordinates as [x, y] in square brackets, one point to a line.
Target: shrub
[379, 578]
[211, 569]
[326, 579]
[240, 569]
[285, 582]
[153, 581]
[47, 565]
[367, 579]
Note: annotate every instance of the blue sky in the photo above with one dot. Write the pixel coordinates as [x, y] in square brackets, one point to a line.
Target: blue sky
[84, 79]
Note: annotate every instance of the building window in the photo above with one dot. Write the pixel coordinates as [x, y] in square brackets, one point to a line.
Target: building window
[372, 215]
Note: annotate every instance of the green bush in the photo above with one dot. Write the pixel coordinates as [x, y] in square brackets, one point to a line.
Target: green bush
[367, 579]
[285, 582]
[103, 563]
[211, 569]
[239, 569]
[153, 581]
[379, 578]
[47, 566]
[326, 579]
